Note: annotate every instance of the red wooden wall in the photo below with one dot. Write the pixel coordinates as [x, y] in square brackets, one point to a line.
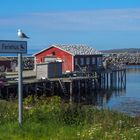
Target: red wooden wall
[58, 53]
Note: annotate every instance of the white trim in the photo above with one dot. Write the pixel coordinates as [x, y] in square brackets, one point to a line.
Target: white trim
[72, 63]
[51, 47]
[35, 63]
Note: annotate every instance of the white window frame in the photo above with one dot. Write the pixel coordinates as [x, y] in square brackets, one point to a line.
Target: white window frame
[76, 61]
[99, 61]
[88, 60]
[81, 61]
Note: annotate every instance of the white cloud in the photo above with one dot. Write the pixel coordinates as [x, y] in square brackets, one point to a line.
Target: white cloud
[107, 19]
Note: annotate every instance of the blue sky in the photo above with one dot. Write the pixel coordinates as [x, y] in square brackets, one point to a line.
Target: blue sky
[102, 24]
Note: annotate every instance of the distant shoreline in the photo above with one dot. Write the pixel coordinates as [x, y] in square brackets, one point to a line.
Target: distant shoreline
[30, 52]
[133, 64]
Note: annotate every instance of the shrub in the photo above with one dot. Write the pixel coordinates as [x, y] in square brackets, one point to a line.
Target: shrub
[43, 108]
[8, 111]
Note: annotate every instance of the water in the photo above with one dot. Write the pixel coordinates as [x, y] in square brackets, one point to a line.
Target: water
[127, 100]
[30, 52]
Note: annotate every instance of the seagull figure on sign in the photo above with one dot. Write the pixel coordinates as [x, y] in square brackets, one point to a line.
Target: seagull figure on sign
[21, 34]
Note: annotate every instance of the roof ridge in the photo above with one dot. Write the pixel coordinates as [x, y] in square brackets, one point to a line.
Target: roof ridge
[80, 49]
[74, 49]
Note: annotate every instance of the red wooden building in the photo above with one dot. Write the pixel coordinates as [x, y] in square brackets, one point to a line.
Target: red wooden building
[74, 57]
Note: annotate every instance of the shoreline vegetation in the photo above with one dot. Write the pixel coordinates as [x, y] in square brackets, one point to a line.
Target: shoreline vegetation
[50, 118]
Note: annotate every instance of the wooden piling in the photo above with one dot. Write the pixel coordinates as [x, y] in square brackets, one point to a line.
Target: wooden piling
[71, 92]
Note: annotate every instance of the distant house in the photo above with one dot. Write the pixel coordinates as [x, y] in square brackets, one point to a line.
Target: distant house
[74, 57]
[5, 64]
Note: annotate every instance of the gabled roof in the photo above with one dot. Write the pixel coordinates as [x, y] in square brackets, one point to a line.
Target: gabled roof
[74, 49]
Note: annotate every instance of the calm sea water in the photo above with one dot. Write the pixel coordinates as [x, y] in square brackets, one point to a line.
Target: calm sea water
[127, 100]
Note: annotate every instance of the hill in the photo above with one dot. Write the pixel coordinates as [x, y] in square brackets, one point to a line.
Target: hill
[124, 50]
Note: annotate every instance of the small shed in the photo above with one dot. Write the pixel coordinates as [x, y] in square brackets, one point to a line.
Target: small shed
[49, 70]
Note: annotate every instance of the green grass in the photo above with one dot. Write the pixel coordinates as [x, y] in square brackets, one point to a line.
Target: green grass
[52, 119]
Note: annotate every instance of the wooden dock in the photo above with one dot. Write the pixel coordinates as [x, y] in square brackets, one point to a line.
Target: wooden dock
[66, 87]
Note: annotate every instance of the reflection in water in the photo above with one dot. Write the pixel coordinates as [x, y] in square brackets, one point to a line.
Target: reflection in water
[100, 97]
[121, 97]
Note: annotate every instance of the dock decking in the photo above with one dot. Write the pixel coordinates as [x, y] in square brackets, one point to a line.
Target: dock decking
[63, 86]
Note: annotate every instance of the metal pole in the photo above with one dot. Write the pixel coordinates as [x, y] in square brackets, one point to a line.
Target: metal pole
[20, 89]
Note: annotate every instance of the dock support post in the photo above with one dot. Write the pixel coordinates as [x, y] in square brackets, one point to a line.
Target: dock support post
[85, 87]
[52, 88]
[7, 93]
[125, 77]
[107, 81]
[0, 93]
[71, 92]
[36, 88]
[79, 91]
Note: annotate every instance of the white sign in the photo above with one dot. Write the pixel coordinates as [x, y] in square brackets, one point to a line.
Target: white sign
[9, 46]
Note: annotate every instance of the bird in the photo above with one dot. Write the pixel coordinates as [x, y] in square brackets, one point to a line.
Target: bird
[21, 34]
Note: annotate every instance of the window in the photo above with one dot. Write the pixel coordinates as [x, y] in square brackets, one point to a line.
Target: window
[53, 53]
[87, 60]
[76, 61]
[99, 61]
[82, 61]
[93, 60]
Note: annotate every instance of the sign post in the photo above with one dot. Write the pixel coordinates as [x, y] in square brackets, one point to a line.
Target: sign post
[20, 89]
[19, 47]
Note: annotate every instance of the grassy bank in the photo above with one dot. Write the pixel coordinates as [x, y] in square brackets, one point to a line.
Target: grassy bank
[52, 119]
